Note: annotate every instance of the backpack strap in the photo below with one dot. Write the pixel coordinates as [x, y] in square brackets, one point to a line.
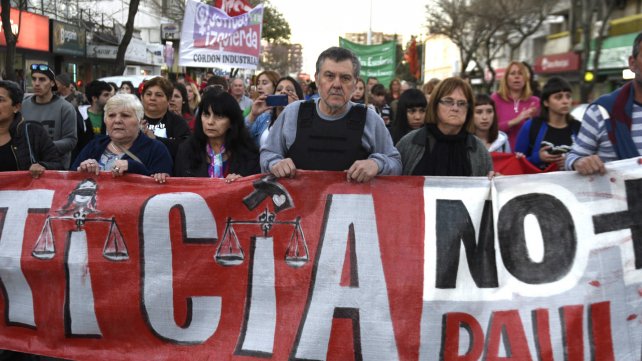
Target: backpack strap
[536, 126]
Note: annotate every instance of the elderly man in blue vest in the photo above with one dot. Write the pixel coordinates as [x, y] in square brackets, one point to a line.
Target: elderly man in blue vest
[331, 133]
[612, 125]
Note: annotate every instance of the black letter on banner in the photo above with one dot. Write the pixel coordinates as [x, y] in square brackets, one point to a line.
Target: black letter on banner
[454, 226]
[558, 235]
[631, 218]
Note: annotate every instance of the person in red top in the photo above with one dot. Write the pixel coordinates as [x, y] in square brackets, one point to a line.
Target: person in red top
[514, 101]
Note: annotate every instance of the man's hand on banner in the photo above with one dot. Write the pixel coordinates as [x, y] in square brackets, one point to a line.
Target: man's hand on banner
[590, 165]
[363, 170]
[284, 168]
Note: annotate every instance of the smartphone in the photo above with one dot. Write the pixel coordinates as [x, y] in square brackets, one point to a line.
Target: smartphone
[280, 100]
[557, 151]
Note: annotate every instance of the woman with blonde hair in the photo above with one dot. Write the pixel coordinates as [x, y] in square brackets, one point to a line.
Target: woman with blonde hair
[193, 97]
[514, 101]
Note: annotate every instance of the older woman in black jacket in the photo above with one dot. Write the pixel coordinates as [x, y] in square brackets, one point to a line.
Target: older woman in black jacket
[220, 146]
[24, 145]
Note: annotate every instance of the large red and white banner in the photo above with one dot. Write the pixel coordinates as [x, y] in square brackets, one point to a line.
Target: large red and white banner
[537, 267]
[212, 38]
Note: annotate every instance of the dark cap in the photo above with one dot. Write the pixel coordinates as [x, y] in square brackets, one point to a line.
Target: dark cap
[64, 79]
[46, 70]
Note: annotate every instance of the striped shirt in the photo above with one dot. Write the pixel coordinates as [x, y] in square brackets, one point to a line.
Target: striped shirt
[594, 139]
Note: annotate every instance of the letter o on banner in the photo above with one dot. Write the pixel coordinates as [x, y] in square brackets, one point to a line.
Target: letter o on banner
[558, 235]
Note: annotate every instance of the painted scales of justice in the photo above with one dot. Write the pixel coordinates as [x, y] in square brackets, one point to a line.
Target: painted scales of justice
[230, 252]
[80, 204]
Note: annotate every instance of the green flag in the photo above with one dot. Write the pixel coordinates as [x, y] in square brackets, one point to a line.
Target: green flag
[376, 60]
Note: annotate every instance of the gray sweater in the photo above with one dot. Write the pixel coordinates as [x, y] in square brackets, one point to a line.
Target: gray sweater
[413, 145]
[59, 118]
[376, 139]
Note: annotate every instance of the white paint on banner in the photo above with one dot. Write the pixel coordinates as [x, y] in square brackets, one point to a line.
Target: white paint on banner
[81, 296]
[370, 298]
[156, 247]
[261, 324]
[19, 298]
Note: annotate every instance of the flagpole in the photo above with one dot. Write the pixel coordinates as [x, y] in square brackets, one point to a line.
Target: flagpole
[370, 26]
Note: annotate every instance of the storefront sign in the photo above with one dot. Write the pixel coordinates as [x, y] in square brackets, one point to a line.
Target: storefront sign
[32, 30]
[68, 39]
[136, 51]
[170, 32]
[557, 63]
[615, 52]
[537, 267]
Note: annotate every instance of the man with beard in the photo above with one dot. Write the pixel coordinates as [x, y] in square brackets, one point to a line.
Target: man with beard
[331, 133]
[56, 114]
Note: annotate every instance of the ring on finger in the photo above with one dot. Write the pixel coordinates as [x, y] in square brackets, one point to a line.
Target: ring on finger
[117, 169]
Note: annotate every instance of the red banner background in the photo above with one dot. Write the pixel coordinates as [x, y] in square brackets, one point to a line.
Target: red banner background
[117, 286]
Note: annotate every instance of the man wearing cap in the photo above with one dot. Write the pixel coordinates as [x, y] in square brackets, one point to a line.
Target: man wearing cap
[63, 83]
[56, 114]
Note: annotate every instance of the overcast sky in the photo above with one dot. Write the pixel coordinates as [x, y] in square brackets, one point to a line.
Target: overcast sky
[317, 25]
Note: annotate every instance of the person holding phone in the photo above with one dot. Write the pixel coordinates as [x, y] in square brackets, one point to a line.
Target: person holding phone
[547, 138]
[265, 85]
[287, 91]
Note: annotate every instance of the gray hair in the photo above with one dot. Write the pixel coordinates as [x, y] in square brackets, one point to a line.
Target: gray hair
[338, 54]
[126, 101]
[636, 45]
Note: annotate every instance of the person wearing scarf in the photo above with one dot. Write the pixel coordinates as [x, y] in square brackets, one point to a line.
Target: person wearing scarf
[443, 147]
[220, 146]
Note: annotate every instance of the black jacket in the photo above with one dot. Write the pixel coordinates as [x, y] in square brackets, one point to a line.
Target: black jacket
[245, 163]
[177, 132]
[30, 143]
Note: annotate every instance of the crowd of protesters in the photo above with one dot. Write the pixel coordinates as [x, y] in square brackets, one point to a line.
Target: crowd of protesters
[228, 128]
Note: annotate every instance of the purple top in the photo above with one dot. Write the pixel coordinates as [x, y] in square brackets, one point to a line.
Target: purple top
[506, 111]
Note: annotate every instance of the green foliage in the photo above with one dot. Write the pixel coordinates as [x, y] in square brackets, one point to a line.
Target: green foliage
[275, 28]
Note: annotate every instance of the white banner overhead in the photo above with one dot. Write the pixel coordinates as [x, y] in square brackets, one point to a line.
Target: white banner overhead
[211, 38]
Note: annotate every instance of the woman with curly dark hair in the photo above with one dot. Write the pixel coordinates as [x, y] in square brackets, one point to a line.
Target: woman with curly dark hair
[220, 146]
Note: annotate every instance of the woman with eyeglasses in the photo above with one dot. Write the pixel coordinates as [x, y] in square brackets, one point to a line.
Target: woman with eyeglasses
[24, 145]
[443, 147]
